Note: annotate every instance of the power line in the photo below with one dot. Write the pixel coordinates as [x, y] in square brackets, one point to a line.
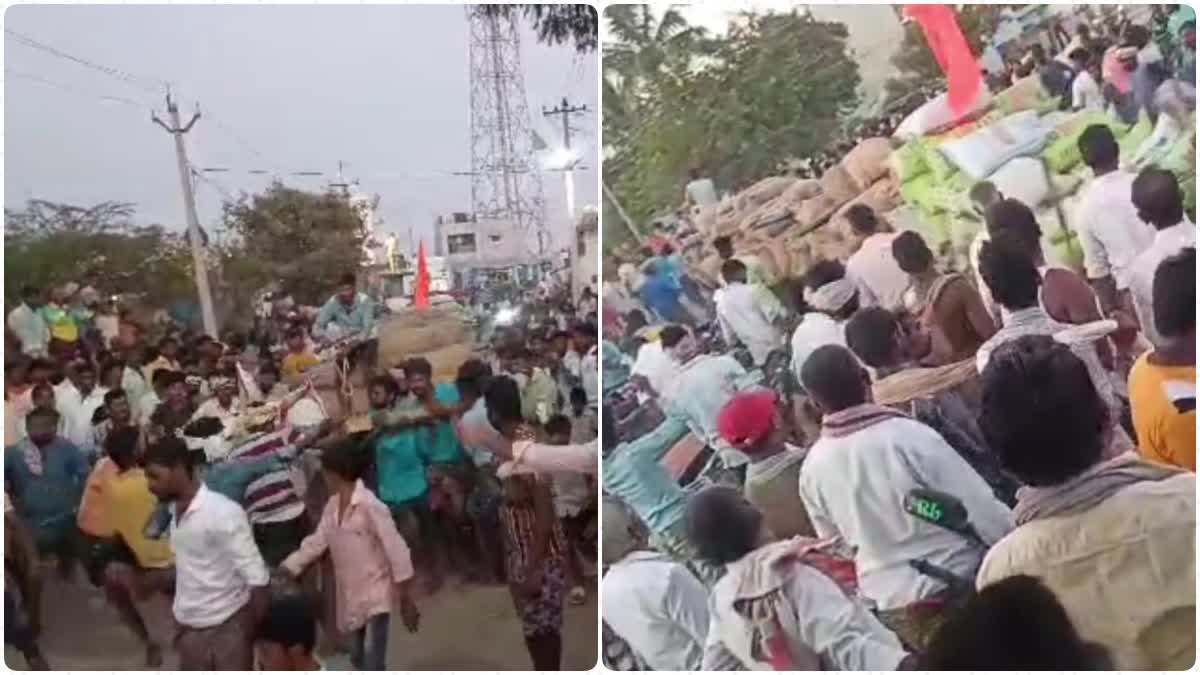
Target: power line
[67, 88]
[155, 87]
[151, 85]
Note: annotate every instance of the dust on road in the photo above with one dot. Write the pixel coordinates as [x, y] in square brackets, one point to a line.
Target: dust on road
[462, 628]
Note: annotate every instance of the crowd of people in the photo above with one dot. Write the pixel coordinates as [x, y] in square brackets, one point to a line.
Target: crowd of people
[211, 473]
[896, 465]
[1108, 63]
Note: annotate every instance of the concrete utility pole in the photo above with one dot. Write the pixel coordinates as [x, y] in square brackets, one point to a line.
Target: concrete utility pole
[189, 206]
[565, 110]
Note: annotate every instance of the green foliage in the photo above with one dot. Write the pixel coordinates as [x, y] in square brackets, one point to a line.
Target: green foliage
[305, 240]
[48, 244]
[736, 107]
[555, 24]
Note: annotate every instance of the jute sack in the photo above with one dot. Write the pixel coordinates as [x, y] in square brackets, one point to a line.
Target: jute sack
[418, 331]
[812, 212]
[775, 259]
[830, 243]
[802, 190]
[767, 189]
[800, 256]
[839, 186]
[446, 360]
[880, 198]
[868, 161]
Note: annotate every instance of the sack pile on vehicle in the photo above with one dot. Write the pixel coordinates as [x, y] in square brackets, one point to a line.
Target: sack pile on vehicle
[921, 178]
[438, 334]
[787, 223]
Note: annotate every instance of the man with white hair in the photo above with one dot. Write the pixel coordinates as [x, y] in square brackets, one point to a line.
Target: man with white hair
[833, 299]
[653, 603]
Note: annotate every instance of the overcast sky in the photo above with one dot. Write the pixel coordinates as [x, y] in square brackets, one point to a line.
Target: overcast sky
[284, 88]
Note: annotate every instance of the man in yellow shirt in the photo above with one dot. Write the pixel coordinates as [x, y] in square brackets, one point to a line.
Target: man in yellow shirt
[138, 567]
[299, 358]
[168, 358]
[1162, 383]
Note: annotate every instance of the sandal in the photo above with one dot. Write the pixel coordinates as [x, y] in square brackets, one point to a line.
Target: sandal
[577, 595]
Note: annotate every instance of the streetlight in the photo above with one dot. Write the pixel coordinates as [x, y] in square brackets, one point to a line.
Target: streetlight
[566, 159]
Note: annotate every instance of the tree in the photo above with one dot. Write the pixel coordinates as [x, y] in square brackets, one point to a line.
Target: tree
[48, 244]
[305, 240]
[644, 49]
[555, 24]
[736, 107]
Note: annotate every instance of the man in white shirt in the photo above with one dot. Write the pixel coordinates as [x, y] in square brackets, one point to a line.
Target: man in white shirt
[700, 191]
[656, 605]
[833, 299]
[748, 314]
[1110, 232]
[1160, 203]
[880, 280]
[1085, 89]
[225, 406]
[78, 398]
[855, 480]
[28, 325]
[220, 577]
[654, 364]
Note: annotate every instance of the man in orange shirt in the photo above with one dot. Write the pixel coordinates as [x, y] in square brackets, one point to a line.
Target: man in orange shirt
[1162, 383]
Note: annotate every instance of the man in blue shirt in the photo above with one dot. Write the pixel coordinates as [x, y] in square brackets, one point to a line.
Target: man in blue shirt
[632, 473]
[660, 292]
[347, 310]
[45, 474]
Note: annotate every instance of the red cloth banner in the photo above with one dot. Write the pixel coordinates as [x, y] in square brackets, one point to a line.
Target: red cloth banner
[950, 48]
[421, 293]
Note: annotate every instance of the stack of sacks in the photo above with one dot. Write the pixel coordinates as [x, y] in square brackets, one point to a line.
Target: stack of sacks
[787, 223]
[437, 334]
[1006, 145]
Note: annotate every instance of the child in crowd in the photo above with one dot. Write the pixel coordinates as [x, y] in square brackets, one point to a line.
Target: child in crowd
[371, 561]
[287, 635]
[299, 357]
[575, 506]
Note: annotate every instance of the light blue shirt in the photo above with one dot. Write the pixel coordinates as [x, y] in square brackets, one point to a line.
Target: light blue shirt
[701, 388]
[615, 365]
[358, 318]
[631, 472]
[444, 447]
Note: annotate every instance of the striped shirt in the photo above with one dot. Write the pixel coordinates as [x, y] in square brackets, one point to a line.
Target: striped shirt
[272, 497]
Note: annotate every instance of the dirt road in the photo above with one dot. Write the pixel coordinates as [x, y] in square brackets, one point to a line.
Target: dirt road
[462, 628]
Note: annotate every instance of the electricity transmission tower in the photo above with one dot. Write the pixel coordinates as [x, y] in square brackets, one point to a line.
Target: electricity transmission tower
[506, 182]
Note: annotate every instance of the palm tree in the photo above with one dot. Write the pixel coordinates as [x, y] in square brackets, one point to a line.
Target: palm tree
[641, 49]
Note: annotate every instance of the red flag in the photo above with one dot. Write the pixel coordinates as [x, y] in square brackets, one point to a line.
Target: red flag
[950, 48]
[421, 294]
